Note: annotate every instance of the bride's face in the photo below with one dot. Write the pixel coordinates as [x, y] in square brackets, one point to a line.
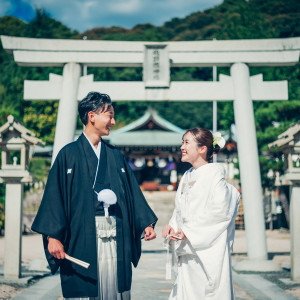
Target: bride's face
[190, 150]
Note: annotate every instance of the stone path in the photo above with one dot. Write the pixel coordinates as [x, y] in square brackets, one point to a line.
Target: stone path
[149, 278]
[47, 288]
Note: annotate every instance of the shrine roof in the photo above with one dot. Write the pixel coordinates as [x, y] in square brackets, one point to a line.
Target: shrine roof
[24, 134]
[145, 138]
[150, 121]
[149, 130]
[287, 138]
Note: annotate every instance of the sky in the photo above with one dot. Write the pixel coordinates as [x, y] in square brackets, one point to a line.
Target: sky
[86, 14]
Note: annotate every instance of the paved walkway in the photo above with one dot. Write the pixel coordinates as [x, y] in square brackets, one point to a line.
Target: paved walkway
[149, 278]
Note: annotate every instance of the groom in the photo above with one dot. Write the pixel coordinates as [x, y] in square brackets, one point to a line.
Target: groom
[66, 217]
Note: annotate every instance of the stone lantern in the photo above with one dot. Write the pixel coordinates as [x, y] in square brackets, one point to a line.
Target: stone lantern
[289, 143]
[15, 143]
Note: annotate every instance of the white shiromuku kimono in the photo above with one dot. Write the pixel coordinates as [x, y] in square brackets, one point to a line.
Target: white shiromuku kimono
[205, 210]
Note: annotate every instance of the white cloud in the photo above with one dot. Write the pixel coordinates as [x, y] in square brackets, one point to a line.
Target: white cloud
[5, 6]
[87, 8]
[124, 7]
[86, 14]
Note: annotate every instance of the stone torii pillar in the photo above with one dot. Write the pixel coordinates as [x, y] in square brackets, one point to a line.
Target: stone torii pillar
[157, 58]
[67, 109]
[248, 162]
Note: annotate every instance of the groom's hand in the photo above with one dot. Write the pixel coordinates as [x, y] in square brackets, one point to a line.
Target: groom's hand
[56, 248]
[149, 233]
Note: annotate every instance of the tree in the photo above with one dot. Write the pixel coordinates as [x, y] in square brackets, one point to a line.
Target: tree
[12, 26]
[43, 26]
[232, 19]
[38, 116]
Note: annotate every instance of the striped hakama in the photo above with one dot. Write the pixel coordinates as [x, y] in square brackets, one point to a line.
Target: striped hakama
[107, 262]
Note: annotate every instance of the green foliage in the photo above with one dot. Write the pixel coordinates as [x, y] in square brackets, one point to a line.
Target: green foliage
[225, 115]
[40, 168]
[43, 26]
[2, 210]
[192, 114]
[2, 217]
[116, 74]
[140, 32]
[233, 19]
[37, 116]
[12, 26]
[40, 117]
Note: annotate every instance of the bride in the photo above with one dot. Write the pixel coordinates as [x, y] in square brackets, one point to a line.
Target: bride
[202, 224]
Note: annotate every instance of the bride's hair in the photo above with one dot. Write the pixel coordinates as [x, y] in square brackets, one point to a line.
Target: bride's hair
[204, 137]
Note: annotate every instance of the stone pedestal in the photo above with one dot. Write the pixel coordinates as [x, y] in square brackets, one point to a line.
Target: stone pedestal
[288, 143]
[295, 229]
[13, 229]
[14, 178]
[14, 139]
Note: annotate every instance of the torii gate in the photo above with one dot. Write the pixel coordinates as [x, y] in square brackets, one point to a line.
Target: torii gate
[156, 60]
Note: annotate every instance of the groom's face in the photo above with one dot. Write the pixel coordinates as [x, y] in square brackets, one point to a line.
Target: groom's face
[103, 121]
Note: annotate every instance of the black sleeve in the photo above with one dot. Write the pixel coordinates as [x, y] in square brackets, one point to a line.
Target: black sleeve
[143, 214]
[51, 218]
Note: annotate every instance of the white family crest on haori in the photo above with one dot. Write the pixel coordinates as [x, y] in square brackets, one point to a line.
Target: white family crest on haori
[69, 171]
[205, 210]
[108, 197]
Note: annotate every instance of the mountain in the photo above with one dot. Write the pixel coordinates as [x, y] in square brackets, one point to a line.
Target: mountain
[233, 19]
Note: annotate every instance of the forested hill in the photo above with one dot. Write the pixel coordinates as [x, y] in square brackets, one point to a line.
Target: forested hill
[233, 19]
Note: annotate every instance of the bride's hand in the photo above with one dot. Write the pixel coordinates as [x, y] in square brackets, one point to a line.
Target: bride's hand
[167, 230]
[180, 235]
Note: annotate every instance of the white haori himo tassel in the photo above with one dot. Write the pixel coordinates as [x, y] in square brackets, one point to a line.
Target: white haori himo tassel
[171, 265]
[108, 197]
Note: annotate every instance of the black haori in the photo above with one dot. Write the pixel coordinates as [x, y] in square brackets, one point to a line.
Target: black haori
[67, 213]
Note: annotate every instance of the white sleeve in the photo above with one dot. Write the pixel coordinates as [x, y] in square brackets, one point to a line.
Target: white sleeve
[173, 221]
[203, 230]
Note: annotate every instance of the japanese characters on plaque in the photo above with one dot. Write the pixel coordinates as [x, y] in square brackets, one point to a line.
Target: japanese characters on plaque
[156, 66]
